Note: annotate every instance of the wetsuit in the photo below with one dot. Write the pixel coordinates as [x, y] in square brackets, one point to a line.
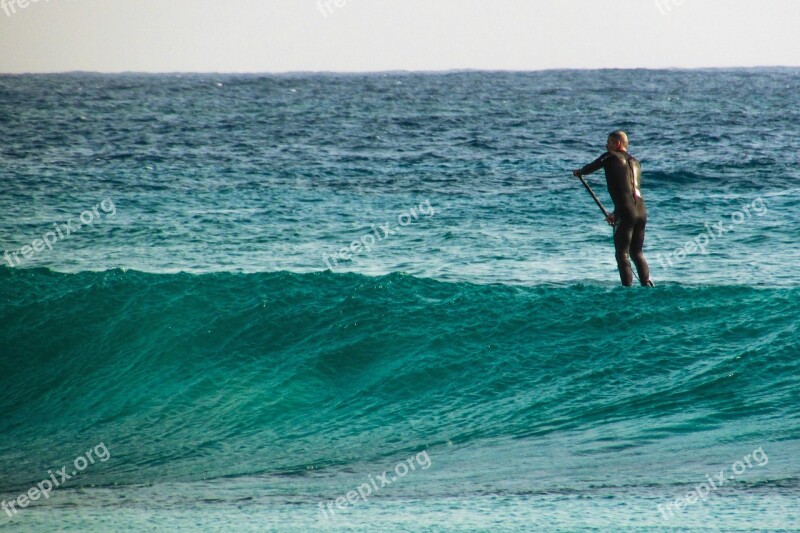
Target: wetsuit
[623, 177]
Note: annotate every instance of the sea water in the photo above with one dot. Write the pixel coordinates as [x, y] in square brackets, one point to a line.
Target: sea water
[381, 302]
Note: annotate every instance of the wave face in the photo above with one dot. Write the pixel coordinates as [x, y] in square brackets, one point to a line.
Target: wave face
[187, 377]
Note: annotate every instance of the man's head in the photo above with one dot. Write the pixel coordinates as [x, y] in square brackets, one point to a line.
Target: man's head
[617, 141]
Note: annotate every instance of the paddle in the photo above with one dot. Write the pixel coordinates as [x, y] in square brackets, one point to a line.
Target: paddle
[596, 199]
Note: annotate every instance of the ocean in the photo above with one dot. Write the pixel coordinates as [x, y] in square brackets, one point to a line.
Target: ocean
[321, 302]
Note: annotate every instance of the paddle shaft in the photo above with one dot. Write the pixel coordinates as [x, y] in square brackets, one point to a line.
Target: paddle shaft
[596, 199]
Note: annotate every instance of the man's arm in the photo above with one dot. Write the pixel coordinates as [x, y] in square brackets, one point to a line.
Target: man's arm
[592, 167]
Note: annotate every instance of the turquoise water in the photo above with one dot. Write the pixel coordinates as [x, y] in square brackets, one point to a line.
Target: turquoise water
[191, 356]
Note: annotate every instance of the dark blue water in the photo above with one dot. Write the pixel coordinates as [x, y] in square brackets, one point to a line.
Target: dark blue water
[227, 301]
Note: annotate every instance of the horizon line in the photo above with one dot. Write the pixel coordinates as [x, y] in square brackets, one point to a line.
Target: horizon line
[395, 71]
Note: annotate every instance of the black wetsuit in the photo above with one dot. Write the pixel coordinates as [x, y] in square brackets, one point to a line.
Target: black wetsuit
[623, 176]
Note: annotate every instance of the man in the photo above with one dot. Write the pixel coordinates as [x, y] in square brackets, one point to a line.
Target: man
[623, 177]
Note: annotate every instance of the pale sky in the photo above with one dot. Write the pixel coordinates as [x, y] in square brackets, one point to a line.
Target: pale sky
[377, 35]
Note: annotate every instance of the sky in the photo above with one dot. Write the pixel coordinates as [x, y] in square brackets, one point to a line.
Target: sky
[381, 35]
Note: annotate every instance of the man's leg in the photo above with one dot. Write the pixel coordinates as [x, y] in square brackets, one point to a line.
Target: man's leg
[622, 243]
[637, 243]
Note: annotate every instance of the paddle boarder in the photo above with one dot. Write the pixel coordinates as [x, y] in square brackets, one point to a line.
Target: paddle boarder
[623, 177]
